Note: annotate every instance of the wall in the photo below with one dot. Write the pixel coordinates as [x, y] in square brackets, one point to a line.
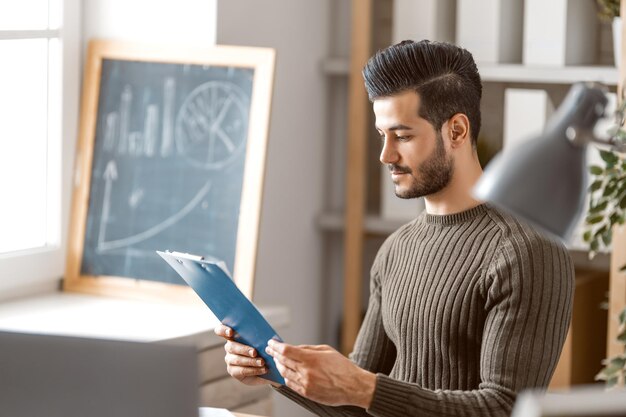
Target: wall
[151, 20]
[290, 263]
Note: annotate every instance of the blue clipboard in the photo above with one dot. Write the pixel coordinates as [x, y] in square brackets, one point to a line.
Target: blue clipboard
[218, 291]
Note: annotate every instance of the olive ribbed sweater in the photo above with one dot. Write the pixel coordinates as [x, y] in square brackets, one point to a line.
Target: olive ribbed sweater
[465, 311]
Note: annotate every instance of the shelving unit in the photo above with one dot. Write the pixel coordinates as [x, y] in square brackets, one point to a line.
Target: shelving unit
[356, 223]
[360, 228]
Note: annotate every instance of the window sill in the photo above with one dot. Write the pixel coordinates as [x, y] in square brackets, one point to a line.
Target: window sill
[114, 318]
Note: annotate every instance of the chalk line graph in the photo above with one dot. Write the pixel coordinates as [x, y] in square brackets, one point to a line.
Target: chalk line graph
[110, 175]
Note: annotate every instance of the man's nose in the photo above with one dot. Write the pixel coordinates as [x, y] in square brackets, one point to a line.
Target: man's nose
[388, 155]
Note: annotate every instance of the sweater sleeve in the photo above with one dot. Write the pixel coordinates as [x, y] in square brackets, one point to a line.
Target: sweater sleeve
[529, 292]
[373, 350]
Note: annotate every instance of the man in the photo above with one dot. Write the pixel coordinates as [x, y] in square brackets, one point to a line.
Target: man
[468, 306]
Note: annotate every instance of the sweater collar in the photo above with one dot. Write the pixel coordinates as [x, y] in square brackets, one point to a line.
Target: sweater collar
[453, 218]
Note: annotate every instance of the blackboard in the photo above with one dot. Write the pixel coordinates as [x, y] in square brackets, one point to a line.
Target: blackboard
[170, 160]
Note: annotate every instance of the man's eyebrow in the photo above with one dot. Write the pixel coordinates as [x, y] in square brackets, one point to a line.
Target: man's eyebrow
[396, 127]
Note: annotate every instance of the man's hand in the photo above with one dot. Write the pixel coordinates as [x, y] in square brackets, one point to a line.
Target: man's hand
[322, 374]
[242, 362]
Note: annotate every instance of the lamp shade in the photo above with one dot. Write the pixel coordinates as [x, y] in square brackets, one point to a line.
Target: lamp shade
[544, 180]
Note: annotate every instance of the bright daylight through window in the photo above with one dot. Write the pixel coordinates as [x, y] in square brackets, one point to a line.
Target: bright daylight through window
[30, 85]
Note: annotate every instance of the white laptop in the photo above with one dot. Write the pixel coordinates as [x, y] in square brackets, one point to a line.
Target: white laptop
[60, 376]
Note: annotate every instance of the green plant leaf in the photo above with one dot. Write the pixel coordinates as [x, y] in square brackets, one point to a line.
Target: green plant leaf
[622, 268]
[596, 170]
[600, 376]
[615, 218]
[594, 218]
[607, 236]
[599, 207]
[617, 361]
[622, 202]
[600, 231]
[587, 236]
[614, 367]
[622, 316]
[609, 157]
[595, 186]
[609, 190]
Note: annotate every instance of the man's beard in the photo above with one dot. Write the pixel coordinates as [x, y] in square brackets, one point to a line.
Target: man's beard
[434, 174]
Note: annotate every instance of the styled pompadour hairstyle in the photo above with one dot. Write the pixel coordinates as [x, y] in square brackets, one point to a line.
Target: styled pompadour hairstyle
[444, 76]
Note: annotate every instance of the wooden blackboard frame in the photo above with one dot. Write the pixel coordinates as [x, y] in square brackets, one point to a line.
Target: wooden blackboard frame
[261, 60]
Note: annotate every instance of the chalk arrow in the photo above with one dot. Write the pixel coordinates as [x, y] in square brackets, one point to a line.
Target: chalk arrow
[110, 175]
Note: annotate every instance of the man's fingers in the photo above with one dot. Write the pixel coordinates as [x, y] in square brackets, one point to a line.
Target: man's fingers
[244, 371]
[282, 359]
[317, 348]
[239, 360]
[223, 331]
[287, 350]
[239, 349]
[288, 373]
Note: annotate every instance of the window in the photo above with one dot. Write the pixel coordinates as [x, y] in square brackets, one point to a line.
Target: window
[29, 101]
[38, 88]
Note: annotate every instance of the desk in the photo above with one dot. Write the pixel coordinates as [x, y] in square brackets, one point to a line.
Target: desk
[111, 318]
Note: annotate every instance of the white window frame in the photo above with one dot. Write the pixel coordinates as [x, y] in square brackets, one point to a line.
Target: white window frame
[40, 270]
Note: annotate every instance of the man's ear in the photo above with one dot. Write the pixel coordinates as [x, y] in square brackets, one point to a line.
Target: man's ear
[459, 130]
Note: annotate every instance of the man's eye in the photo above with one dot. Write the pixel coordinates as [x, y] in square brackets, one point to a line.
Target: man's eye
[403, 138]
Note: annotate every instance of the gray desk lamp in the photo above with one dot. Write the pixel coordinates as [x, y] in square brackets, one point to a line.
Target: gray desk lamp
[544, 180]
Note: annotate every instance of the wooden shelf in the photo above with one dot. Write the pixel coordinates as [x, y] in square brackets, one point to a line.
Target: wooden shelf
[517, 73]
[548, 75]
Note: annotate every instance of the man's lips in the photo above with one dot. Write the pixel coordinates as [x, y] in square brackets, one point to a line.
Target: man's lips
[395, 170]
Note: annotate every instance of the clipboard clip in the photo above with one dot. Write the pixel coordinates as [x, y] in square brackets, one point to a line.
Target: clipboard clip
[186, 255]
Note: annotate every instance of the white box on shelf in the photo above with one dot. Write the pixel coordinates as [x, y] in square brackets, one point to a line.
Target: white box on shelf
[423, 19]
[525, 114]
[490, 29]
[559, 32]
[394, 207]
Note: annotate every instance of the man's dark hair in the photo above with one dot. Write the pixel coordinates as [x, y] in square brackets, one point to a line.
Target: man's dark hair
[444, 76]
